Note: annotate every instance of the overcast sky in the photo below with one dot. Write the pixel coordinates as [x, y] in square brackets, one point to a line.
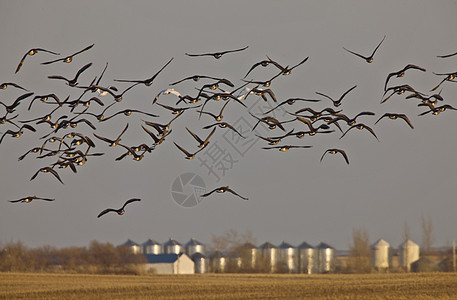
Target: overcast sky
[293, 197]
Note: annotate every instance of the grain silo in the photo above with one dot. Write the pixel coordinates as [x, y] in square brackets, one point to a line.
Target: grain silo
[381, 255]
[268, 257]
[193, 246]
[326, 258]
[134, 247]
[152, 247]
[201, 263]
[409, 253]
[248, 256]
[307, 259]
[218, 262]
[288, 258]
[172, 247]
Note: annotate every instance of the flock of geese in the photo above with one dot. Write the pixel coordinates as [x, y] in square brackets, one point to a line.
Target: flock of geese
[69, 118]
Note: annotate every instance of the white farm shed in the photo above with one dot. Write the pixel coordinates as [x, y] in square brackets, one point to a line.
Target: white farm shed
[169, 264]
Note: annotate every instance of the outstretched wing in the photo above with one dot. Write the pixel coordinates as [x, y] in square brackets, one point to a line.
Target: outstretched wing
[130, 201]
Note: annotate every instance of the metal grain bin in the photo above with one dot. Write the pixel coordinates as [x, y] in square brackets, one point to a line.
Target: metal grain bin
[152, 247]
[218, 262]
[326, 258]
[288, 258]
[193, 246]
[268, 256]
[134, 247]
[200, 263]
[248, 256]
[172, 247]
[381, 255]
[307, 259]
[409, 253]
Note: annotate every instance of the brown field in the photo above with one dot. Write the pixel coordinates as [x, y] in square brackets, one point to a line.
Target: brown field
[228, 286]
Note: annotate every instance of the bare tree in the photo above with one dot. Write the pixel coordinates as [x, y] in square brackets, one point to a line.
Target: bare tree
[359, 256]
[427, 234]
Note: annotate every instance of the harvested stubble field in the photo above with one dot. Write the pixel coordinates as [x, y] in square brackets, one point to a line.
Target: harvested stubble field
[228, 286]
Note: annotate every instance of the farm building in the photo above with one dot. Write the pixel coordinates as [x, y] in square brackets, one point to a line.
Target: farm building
[169, 264]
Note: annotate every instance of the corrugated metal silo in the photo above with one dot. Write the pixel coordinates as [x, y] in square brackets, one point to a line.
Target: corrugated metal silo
[201, 263]
[288, 257]
[409, 253]
[193, 246]
[307, 259]
[134, 247]
[172, 247]
[381, 255]
[269, 256]
[326, 258]
[218, 262]
[152, 247]
[248, 255]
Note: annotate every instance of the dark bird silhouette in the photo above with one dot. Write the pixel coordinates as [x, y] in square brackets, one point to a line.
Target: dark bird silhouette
[291, 101]
[218, 55]
[101, 116]
[201, 143]
[262, 93]
[157, 141]
[162, 129]
[33, 51]
[271, 122]
[349, 121]
[401, 73]
[337, 102]
[368, 59]
[177, 110]
[394, 116]
[188, 154]
[17, 133]
[224, 125]
[119, 211]
[360, 126]
[4, 85]
[275, 140]
[286, 147]
[449, 77]
[47, 170]
[288, 70]
[447, 55]
[219, 117]
[438, 109]
[109, 90]
[33, 150]
[198, 77]
[69, 58]
[265, 83]
[399, 90]
[128, 112]
[29, 199]
[112, 143]
[148, 81]
[312, 130]
[224, 189]
[4, 120]
[334, 151]
[11, 108]
[265, 63]
[45, 98]
[72, 82]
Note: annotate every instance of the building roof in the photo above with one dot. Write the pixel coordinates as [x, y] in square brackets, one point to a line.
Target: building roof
[130, 243]
[162, 258]
[150, 243]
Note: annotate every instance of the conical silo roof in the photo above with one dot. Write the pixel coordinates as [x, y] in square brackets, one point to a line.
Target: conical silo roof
[172, 242]
[323, 245]
[285, 245]
[129, 243]
[267, 245]
[150, 242]
[380, 243]
[305, 245]
[193, 242]
[408, 243]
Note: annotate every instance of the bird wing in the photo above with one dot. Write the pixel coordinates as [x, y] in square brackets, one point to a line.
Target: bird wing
[106, 211]
[355, 53]
[207, 194]
[130, 201]
[447, 55]
[183, 150]
[347, 92]
[196, 137]
[235, 193]
[374, 51]
[404, 117]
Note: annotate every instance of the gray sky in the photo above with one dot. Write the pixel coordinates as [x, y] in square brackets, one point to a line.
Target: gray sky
[292, 196]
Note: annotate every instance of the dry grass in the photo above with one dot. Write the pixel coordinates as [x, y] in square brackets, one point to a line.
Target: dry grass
[228, 286]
